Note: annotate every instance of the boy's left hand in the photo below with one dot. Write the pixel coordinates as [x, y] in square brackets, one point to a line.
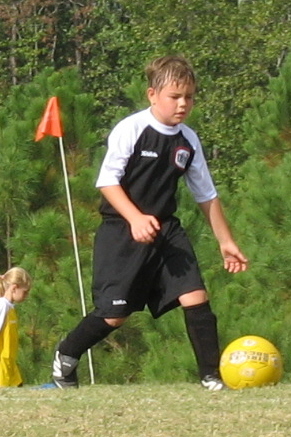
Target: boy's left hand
[234, 259]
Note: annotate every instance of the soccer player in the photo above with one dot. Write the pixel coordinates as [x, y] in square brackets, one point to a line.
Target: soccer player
[142, 255]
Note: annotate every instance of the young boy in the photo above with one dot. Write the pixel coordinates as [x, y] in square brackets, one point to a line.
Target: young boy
[142, 255]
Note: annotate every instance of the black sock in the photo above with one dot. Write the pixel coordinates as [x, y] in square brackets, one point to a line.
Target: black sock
[202, 331]
[90, 331]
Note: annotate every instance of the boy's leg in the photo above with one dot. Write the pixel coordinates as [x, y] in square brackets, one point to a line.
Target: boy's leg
[178, 273]
[201, 327]
[90, 331]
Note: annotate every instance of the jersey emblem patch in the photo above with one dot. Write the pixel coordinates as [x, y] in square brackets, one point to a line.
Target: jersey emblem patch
[181, 157]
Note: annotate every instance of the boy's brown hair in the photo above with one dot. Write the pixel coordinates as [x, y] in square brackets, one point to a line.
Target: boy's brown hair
[166, 69]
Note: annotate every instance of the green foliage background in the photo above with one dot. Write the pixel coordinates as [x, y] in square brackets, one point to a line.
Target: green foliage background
[92, 56]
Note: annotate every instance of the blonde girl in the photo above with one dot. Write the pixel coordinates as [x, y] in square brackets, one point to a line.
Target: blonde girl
[14, 288]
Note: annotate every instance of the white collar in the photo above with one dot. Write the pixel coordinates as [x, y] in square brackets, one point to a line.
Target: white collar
[161, 127]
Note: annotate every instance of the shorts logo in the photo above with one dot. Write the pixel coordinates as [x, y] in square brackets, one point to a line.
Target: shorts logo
[181, 157]
[119, 302]
[149, 154]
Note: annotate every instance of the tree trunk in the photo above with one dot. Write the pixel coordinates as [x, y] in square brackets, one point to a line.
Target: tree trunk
[12, 59]
[8, 234]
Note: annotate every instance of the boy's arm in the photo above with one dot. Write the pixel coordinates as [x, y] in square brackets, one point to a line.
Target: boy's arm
[234, 259]
[143, 227]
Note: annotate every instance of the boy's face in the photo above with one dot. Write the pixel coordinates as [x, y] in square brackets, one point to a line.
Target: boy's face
[172, 104]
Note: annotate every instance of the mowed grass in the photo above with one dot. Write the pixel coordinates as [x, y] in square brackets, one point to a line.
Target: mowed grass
[149, 410]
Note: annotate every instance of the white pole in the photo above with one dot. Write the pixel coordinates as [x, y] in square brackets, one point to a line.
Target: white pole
[75, 249]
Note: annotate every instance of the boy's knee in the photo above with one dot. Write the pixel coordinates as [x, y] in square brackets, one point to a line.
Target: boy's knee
[115, 322]
[192, 298]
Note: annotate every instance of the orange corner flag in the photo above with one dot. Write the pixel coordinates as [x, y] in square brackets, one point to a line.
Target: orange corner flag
[50, 123]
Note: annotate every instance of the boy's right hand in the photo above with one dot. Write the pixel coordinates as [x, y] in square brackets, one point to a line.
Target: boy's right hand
[144, 228]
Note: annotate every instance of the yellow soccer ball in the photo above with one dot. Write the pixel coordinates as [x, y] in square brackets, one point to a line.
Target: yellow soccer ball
[250, 361]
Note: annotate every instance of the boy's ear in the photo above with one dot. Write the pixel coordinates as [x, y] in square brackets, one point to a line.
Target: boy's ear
[151, 93]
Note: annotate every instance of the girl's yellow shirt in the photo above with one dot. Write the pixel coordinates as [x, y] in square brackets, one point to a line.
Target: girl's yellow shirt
[9, 372]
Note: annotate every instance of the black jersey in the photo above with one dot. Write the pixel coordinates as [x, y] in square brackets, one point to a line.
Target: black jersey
[147, 158]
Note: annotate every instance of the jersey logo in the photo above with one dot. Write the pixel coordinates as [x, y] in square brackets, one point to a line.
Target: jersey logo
[181, 157]
[149, 154]
[119, 302]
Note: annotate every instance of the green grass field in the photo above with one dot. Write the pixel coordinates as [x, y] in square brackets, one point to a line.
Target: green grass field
[173, 410]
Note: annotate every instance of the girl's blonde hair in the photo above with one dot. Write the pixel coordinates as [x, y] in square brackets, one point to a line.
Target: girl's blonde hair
[166, 69]
[15, 275]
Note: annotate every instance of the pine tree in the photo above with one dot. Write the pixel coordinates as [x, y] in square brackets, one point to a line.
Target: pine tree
[259, 301]
[35, 218]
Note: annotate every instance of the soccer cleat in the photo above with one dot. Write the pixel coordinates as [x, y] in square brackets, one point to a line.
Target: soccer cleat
[212, 382]
[65, 371]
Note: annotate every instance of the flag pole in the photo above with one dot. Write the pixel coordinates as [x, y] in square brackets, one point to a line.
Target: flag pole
[50, 124]
[83, 305]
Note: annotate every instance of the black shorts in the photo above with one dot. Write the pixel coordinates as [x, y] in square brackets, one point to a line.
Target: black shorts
[128, 275]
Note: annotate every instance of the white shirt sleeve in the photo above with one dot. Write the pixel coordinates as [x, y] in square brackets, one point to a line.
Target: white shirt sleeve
[5, 306]
[198, 177]
[120, 146]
